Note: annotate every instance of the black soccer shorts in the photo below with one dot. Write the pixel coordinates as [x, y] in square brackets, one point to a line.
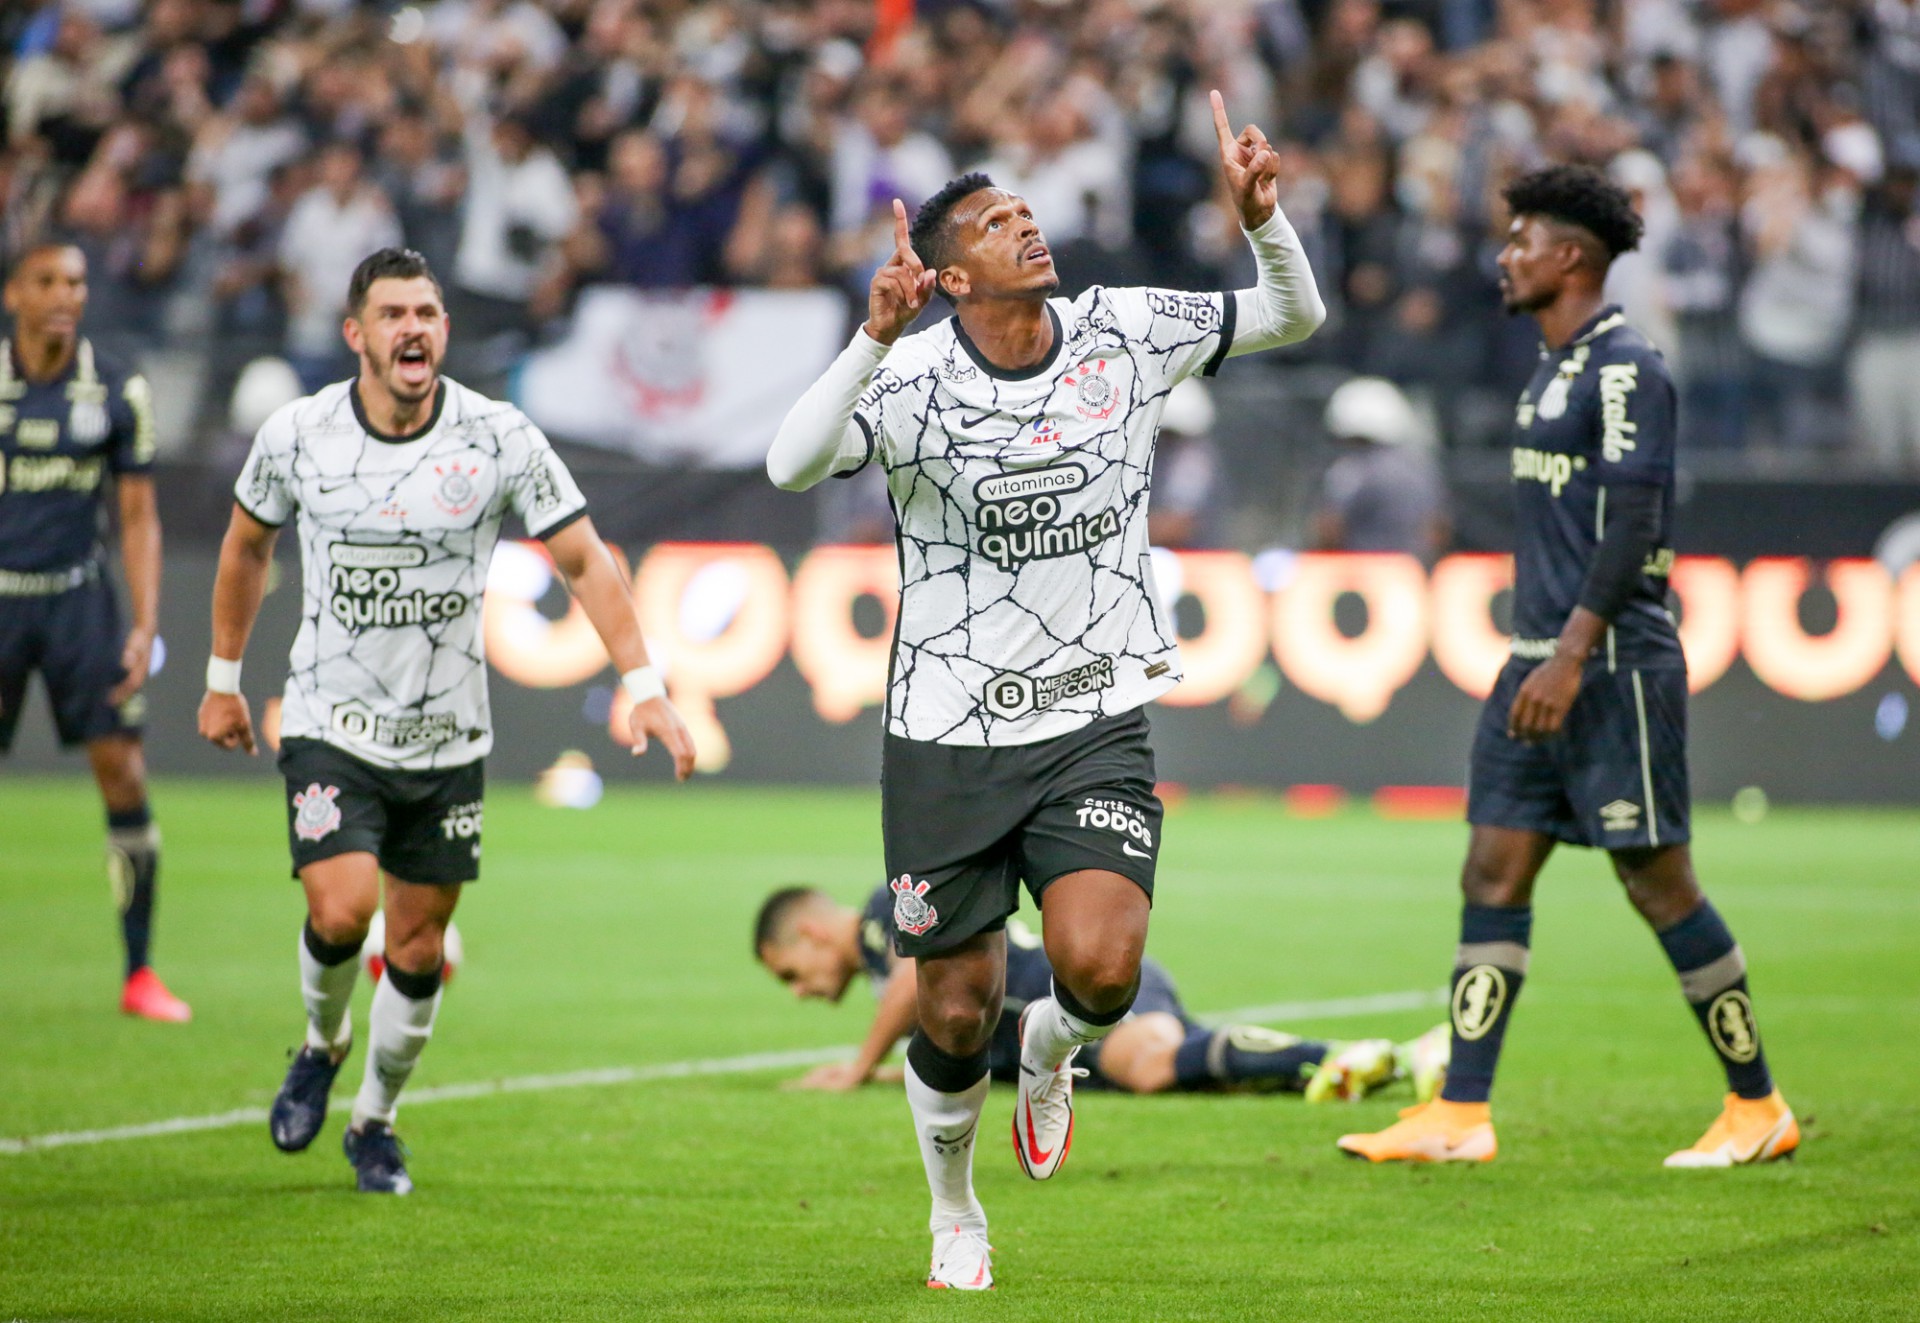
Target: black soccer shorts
[1615, 776]
[965, 825]
[421, 826]
[73, 638]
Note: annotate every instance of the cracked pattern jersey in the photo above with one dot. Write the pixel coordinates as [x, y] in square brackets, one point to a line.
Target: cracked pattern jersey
[1027, 603]
[396, 534]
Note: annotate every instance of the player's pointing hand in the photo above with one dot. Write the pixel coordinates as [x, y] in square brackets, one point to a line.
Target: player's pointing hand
[1251, 167]
[900, 287]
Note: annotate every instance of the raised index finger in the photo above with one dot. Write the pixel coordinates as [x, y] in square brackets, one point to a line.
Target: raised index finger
[902, 242]
[1220, 125]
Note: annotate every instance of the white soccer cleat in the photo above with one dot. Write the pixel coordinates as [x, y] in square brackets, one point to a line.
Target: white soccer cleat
[962, 1260]
[1043, 1117]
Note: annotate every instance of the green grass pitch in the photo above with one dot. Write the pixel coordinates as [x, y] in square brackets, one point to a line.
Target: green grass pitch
[619, 938]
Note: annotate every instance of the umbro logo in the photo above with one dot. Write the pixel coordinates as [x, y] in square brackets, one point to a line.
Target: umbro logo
[1621, 815]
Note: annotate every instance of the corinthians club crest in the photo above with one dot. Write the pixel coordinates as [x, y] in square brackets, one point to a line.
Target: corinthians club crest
[1098, 395]
[315, 812]
[911, 913]
[457, 490]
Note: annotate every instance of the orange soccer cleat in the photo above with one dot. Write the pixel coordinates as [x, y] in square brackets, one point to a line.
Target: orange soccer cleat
[1747, 1130]
[147, 997]
[1438, 1131]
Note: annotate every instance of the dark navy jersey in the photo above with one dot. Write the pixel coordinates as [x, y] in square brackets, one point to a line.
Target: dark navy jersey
[1029, 976]
[1598, 413]
[58, 442]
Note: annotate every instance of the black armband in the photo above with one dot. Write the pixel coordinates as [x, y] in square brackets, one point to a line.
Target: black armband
[1632, 530]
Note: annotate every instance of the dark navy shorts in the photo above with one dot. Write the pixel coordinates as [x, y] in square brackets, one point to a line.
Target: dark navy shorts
[421, 826]
[1157, 993]
[964, 825]
[1615, 776]
[74, 640]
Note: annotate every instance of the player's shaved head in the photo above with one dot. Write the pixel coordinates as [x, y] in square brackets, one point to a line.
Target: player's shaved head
[32, 250]
[937, 225]
[778, 922]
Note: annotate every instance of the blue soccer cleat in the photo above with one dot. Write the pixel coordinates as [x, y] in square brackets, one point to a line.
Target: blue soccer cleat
[300, 1108]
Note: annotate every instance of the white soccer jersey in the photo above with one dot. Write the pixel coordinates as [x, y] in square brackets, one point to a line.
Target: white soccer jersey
[396, 535]
[1027, 604]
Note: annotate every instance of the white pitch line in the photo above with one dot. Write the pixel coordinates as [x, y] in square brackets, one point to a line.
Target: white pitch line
[1336, 1008]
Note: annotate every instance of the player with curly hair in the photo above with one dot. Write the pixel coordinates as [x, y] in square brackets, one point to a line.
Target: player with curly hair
[1583, 739]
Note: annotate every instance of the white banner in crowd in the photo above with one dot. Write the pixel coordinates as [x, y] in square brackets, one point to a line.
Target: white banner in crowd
[698, 377]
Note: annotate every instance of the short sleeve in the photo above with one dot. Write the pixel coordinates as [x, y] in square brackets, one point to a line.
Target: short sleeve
[539, 487]
[1175, 333]
[265, 486]
[1637, 418]
[134, 437]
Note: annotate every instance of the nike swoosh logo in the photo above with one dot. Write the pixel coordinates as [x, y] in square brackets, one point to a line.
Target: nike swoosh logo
[338, 486]
[1035, 1154]
[959, 1138]
[975, 422]
[1126, 847]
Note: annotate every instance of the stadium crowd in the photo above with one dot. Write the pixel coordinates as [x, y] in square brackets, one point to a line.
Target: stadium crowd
[224, 163]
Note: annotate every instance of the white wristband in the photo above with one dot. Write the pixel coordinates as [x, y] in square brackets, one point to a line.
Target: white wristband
[223, 676]
[643, 684]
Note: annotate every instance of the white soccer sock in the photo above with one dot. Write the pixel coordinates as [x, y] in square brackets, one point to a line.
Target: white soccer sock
[1053, 1033]
[397, 1032]
[327, 991]
[945, 1124]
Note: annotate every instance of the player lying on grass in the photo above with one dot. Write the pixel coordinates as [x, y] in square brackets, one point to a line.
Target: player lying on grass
[1017, 438]
[399, 480]
[817, 947]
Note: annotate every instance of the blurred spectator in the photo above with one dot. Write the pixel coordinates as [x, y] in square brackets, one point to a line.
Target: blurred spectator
[1383, 490]
[1185, 512]
[519, 206]
[235, 152]
[1700, 266]
[1884, 372]
[67, 95]
[127, 213]
[877, 156]
[1795, 309]
[331, 228]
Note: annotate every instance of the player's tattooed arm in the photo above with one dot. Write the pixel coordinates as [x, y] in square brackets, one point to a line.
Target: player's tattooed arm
[140, 554]
[246, 555]
[601, 589]
[895, 1018]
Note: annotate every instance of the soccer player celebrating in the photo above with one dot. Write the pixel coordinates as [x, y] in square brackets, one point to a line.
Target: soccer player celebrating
[1584, 737]
[817, 947]
[1017, 438]
[69, 420]
[400, 479]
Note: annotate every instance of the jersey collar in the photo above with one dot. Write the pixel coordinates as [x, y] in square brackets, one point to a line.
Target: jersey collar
[1599, 324]
[1022, 374]
[433, 418]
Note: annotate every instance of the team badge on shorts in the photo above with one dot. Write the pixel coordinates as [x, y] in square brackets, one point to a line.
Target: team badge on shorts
[911, 913]
[315, 812]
